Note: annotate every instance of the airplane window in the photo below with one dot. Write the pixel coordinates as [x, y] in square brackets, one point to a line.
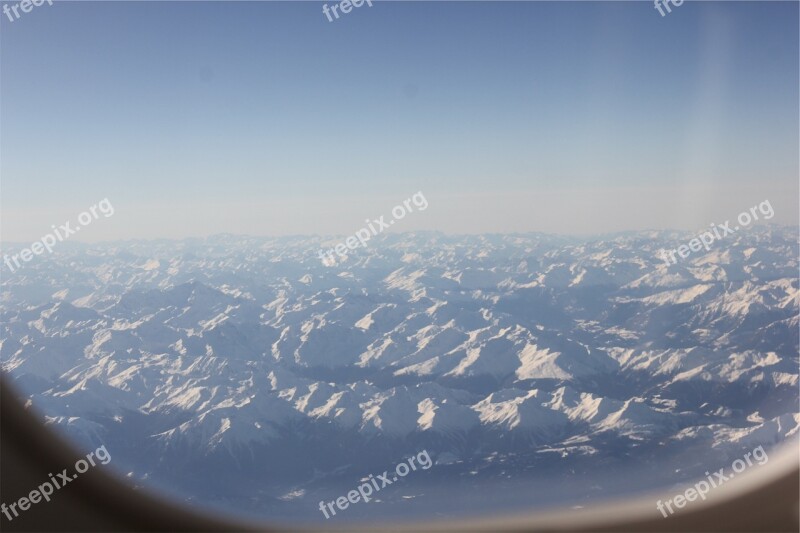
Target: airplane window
[363, 262]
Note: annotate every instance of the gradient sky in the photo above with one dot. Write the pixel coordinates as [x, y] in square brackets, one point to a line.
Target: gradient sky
[264, 118]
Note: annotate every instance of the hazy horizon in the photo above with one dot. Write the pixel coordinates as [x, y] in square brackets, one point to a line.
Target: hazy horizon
[587, 237]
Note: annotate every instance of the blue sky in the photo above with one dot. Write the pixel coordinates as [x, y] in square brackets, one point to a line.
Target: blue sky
[264, 118]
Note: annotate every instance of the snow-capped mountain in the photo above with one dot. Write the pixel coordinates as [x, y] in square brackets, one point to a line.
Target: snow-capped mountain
[250, 362]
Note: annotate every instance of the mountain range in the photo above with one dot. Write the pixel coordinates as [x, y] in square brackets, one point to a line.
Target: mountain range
[244, 373]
